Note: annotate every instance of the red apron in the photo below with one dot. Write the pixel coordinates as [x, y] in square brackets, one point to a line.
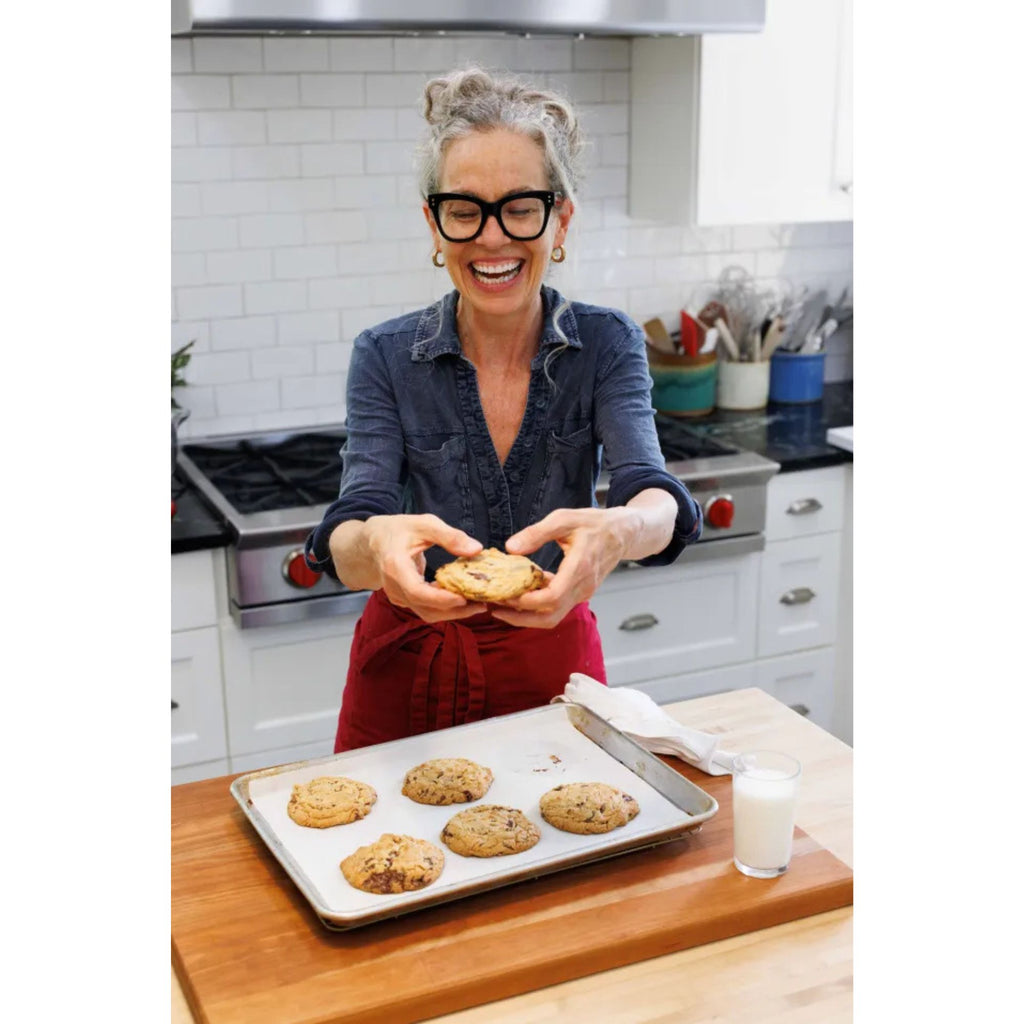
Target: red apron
[407, 676]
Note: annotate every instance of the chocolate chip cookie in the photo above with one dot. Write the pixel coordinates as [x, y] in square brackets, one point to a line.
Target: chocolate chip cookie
[587, 807]
[330, 800]
[447, 780]
[489, 830]
[492, 576]
[392, 864]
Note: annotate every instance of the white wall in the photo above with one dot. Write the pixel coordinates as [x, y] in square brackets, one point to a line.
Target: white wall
[297, 221]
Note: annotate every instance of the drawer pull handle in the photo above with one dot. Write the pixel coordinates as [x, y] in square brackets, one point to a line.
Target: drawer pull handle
[174, 705]
[643, 621]
[800, 709]
[803, 506]
[800, 595]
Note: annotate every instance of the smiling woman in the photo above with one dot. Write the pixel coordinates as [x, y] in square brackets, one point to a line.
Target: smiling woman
[483, 421]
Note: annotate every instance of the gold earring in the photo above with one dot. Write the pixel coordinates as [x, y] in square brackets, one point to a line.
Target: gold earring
[437, 259]
[558, 254]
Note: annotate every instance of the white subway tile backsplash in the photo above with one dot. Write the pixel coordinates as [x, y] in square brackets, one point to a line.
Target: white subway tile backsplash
[282, 361]
[312, 391]
[244, 399]
[198, 163]
[181, 55]
[297, 222]
[364, 123]
[362, 54]
[601, 54]
[300, 195]
[264, 92]
[288, 54]
[303, 125]
[332, 90]
[200, 92]
[231, 127]
[270, 230]
[345, 226]
[243, 332]
[221, 367]
[429, 55]
[321, 159]
[265, 162]
[183, 128]
[227, 54]
[235, 197]
[318, 326]
[276, 296]
[210, 302]
[238, 266]
[203, 234]
[306, 261]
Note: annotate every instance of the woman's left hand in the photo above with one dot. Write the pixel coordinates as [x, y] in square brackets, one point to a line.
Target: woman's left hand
[593, 540]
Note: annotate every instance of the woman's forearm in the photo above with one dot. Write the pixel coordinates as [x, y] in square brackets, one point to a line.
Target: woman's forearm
[647, 523]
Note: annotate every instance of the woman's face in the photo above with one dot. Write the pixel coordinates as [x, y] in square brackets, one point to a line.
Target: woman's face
[494, 274]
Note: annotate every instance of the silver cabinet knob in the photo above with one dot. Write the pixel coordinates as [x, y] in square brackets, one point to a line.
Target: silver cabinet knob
[804, 506]
[799, 595]
[643, 621]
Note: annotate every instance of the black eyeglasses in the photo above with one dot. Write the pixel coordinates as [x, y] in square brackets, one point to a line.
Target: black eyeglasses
[522, 216]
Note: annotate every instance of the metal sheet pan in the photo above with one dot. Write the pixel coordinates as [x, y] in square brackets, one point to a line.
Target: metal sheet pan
[529, 753]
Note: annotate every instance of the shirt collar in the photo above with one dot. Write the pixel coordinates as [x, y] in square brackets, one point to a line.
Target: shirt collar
[437, 333]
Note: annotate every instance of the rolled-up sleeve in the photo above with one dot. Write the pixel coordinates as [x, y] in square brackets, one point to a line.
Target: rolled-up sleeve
[632, 455]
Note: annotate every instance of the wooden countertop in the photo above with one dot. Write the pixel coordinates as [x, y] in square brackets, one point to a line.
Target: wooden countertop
[794, 972]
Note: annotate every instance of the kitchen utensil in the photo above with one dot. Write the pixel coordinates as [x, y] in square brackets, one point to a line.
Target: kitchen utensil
[728, 341]
[689, 334]
[710, 339]
[658, 336]
[772, 338]
[807, 321]
[711, 312]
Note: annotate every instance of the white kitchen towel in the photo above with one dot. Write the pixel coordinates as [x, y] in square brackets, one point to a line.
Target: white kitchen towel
[635, 714]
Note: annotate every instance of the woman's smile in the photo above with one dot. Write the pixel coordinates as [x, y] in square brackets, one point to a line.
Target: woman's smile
[496, 274]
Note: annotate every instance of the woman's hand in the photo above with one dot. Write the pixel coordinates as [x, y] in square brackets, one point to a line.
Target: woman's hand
[594, 541]
[387, 553]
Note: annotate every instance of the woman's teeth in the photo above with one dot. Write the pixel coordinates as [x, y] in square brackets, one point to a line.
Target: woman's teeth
[497, 273]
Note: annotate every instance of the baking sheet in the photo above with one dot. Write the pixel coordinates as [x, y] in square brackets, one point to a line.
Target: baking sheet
[529, 753]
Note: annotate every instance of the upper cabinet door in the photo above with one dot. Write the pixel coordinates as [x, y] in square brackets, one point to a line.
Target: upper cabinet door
[746, 128]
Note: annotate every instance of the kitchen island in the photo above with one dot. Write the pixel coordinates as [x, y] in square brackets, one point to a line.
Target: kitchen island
[796, 971]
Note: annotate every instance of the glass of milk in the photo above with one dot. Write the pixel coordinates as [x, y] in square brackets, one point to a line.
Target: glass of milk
[764, 787]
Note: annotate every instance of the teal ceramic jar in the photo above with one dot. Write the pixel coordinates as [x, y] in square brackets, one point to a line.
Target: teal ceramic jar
[683, 385]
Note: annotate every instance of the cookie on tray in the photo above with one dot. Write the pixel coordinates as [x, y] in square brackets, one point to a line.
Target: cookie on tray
[330, 800]
[489, 830]
[587, 807]
[492, 576]
[447, 780]
[394, 863]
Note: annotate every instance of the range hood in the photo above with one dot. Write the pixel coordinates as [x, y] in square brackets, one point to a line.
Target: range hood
[465, 17]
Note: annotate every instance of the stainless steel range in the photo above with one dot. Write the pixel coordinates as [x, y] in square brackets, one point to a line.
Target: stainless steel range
[272, 488]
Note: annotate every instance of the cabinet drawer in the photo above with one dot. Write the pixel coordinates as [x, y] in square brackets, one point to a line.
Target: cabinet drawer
[283, 755]
[193, 593]
[670, 689]
[804, 682]
[799, 594]
[800, 504]
[282, 684]
[197, 722]
[663, 622]
[199, 772]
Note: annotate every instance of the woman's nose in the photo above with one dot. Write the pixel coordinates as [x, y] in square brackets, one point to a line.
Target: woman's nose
[492, 233]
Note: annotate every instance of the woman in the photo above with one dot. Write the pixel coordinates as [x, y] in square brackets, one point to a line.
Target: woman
[482, 421]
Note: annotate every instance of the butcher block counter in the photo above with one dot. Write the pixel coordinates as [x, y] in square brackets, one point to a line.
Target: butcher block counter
[673, 932]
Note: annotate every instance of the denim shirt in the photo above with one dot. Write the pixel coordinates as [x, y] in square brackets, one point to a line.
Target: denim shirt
[418, 441]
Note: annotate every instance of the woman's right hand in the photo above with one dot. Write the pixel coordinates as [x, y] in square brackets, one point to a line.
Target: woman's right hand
[387, 553]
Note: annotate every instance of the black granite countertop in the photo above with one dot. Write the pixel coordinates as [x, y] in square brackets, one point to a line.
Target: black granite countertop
[791, 435]
[194, 525]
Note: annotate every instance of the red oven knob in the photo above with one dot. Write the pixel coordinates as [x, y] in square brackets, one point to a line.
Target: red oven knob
[297, 573]
[719, 512]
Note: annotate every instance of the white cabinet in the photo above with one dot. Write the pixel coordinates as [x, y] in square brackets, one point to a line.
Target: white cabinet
[282, 687]
[679, 618]
[198, 727]
[746, 128]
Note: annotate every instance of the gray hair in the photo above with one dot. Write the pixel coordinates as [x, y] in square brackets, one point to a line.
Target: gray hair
[473, 100]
